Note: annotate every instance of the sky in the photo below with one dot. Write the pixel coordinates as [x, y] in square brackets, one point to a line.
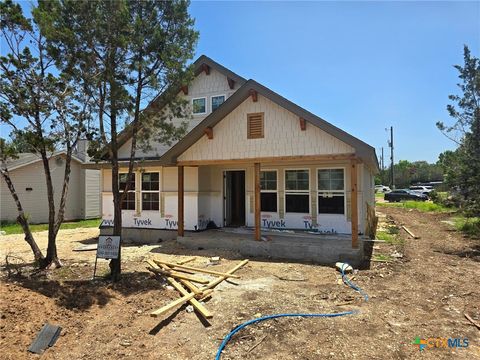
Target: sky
[362, 66]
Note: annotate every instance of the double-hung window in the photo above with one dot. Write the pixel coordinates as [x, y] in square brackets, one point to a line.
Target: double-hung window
[331, 191]
[150, 191]
[217, 101]
[128, 202]
[297, 197]
[268, 191]
[199, 106]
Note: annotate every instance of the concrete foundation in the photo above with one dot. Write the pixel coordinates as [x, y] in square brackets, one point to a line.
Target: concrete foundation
[321, 249]
[142, 236]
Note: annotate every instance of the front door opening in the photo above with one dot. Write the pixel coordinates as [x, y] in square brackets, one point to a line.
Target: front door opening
[234, 198]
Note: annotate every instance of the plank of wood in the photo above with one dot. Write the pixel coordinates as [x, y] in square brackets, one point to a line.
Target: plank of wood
[181, 262]
[410, 233]
[173, 304]
[177, 267]
[472, 321]
[217, 281]
[194, 302]
[181, 276]
[47, 337]
[192, 287]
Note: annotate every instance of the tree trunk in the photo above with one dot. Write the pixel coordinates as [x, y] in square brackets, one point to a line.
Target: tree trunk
[22, 220]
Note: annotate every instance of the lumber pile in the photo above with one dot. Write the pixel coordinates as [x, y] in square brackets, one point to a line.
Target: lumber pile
[190, 282]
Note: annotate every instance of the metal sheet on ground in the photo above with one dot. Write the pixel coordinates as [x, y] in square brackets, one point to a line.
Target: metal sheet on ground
[45, 338]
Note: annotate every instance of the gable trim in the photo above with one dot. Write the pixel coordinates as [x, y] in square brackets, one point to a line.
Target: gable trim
[362, 149]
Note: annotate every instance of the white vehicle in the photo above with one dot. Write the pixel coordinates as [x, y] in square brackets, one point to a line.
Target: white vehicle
[382, 189]
[422, 189]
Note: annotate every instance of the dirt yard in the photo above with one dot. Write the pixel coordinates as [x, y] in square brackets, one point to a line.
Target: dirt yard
[423, 292]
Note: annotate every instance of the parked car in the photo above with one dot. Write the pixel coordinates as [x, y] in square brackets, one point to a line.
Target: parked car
[422, 189]
[382, 189]
[404, 194]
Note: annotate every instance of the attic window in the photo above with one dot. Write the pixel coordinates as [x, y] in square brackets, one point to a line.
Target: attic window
[255, 126]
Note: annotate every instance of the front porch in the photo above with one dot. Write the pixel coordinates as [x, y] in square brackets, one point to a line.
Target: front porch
[296, 246]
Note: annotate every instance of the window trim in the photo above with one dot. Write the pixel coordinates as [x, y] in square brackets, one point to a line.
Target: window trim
[206, 103]
[270, 191]
[130, 191]
[149, 191]
[211, 101]
[296, 192]
[344, 191]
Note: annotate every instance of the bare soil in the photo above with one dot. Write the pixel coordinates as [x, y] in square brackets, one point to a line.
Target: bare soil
[425, 293]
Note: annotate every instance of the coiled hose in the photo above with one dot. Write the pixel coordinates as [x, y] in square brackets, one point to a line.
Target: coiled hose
[269, 317]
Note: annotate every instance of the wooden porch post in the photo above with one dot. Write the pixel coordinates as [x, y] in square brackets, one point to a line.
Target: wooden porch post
[181, 196]
[257, 201]
[354, 203]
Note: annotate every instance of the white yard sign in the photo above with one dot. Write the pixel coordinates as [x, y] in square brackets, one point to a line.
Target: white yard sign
[108, 247]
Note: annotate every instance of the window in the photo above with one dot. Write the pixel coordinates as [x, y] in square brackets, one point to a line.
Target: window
[150, 191]
[199, 105]
[297, 197]
[217, 101]
[331, 191]
[268, 191]
[128, 202]
[255, 126]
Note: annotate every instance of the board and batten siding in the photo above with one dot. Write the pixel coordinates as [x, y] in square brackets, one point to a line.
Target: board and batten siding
[203, 85]
[35, 202]
[282, 136]
[92, 194]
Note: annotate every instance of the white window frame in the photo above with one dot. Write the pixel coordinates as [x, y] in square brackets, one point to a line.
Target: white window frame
[149, 191]
[211, 100]
[206, 105]
[130, 191]
[299, 192]
[344, 191]
[270, 191]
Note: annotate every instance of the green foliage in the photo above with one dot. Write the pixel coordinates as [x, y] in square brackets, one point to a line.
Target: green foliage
[408, 173]
[425, 206]
[462, 166]
[14, 228]
[124, 53]
[468, 225]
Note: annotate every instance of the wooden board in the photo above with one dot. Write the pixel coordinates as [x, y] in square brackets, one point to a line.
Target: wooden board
[195, 303]
[173, 304]
[169, 272]
[191, 268]
[47, 337]
[217, 281]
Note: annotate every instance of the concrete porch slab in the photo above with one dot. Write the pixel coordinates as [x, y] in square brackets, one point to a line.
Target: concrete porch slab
[301, 246]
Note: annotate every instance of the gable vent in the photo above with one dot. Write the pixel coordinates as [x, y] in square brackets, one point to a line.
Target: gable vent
[255, 126]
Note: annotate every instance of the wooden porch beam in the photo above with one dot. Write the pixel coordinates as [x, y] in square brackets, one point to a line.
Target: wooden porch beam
[278, 159]
[185, 89]
[206, 68]
[181, 198]
[209, 132]
[354, 203]
[303, 124]
[257, 202]
[254, 95]
[231, 83]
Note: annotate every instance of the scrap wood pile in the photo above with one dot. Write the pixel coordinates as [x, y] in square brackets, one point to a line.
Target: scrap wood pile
[190, 283]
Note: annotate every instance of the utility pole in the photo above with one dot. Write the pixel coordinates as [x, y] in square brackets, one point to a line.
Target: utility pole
[392, 171]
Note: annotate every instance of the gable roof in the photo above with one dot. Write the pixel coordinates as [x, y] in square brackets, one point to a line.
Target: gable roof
[198, 64]
[362, 149]
[25, 159]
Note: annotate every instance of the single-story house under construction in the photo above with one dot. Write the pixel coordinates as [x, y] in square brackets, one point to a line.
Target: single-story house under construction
[250, 159]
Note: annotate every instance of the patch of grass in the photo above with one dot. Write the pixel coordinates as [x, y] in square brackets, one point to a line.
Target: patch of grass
[382, 257]
[14, 228]
[390, 235]
[469, 226]
[425, 206]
